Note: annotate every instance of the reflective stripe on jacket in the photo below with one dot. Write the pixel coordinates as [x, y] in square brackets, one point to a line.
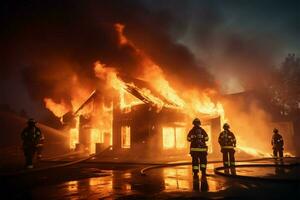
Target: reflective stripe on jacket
[277, 140]
[227, 140]
[198, 137]
[198, 149]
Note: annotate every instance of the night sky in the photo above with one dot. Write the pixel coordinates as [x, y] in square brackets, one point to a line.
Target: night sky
[223, 43]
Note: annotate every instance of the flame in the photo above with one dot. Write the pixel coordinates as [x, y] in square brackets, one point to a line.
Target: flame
[74, 135]
[253, 151]
[96, 137]
[191, 101]
[78, 91]
[58, 109]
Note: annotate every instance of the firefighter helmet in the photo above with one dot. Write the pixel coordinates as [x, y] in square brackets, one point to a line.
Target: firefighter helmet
[196, 122]
[275, 130]
[226, 126]
[31, 121]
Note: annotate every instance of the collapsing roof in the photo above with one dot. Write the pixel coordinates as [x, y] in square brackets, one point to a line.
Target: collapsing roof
[137, 88]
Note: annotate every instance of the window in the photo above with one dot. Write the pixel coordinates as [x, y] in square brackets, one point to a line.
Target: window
[180, 137]
[74, 135]
[174, 137]
[168, 138]
[125, 137]
[96, 137]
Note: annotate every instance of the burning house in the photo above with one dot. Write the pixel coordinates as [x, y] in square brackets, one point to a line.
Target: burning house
[140, 123]
[136, 115]
[151, 113]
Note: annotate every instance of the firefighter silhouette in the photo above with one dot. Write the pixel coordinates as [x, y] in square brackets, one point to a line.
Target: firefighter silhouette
[227, 142]
[198, 149]
[277, 143]
[30, 136]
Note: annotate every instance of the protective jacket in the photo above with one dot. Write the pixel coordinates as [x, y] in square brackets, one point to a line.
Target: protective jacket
[277, 141]
[227, 140]
[31, 137]
[198, 138]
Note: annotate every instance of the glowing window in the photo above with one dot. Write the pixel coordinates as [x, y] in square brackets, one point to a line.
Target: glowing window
[73, 137]
[174, 137]
[96, 137]
[125, 137]
[168, 137]
[180, 138]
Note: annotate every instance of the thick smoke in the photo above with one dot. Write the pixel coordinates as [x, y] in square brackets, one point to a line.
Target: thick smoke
[55, 43]
[238, 40]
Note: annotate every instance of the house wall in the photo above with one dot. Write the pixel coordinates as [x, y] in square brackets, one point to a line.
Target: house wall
[146, 125]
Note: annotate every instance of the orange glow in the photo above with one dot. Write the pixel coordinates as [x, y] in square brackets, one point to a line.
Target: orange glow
[125, 137]
[96, 137]
[72, 186]
[162, 93]
[180, 135]
[168, 138]
[79, 92]
[58, 109]
[190, 101]
[253, 151]
[74, 135]
[173, 178]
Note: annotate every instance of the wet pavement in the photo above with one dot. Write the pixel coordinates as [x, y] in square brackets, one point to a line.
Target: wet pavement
[121, 181]
[172, 183]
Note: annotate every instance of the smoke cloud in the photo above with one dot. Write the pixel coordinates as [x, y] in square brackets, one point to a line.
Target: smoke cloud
[55, 43]
[236, 40]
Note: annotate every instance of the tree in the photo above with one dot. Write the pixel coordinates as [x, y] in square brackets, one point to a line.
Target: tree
[285, 87]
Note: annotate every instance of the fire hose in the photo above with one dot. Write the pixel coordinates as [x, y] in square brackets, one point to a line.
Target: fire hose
[143, 171]
[257, 178]
[55, 166]
[218, 169]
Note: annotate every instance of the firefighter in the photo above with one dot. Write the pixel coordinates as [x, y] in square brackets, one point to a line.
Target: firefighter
[198, 149]
[227, 142]
[277, 143]
[30, 136]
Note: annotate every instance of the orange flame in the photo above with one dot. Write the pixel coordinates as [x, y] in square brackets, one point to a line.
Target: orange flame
[193, 102]
[58, 109]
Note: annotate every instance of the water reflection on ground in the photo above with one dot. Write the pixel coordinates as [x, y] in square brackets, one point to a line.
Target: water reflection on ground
[128, 182]
[268, 172]
[181, 179]
[120, 183]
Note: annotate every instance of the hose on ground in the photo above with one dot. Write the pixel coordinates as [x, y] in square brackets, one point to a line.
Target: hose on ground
[218, 171]
[28, 171]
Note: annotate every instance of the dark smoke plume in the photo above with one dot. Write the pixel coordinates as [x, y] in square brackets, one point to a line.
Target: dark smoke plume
[240, 40]
[53, 42]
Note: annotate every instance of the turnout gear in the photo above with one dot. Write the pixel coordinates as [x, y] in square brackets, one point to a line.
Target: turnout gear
[226, 126]
[277, 143]
[227, 142]
[198, 149]
[196, 122]
[30, 136]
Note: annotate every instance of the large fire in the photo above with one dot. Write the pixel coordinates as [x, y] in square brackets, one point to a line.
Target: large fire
[191, 101]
